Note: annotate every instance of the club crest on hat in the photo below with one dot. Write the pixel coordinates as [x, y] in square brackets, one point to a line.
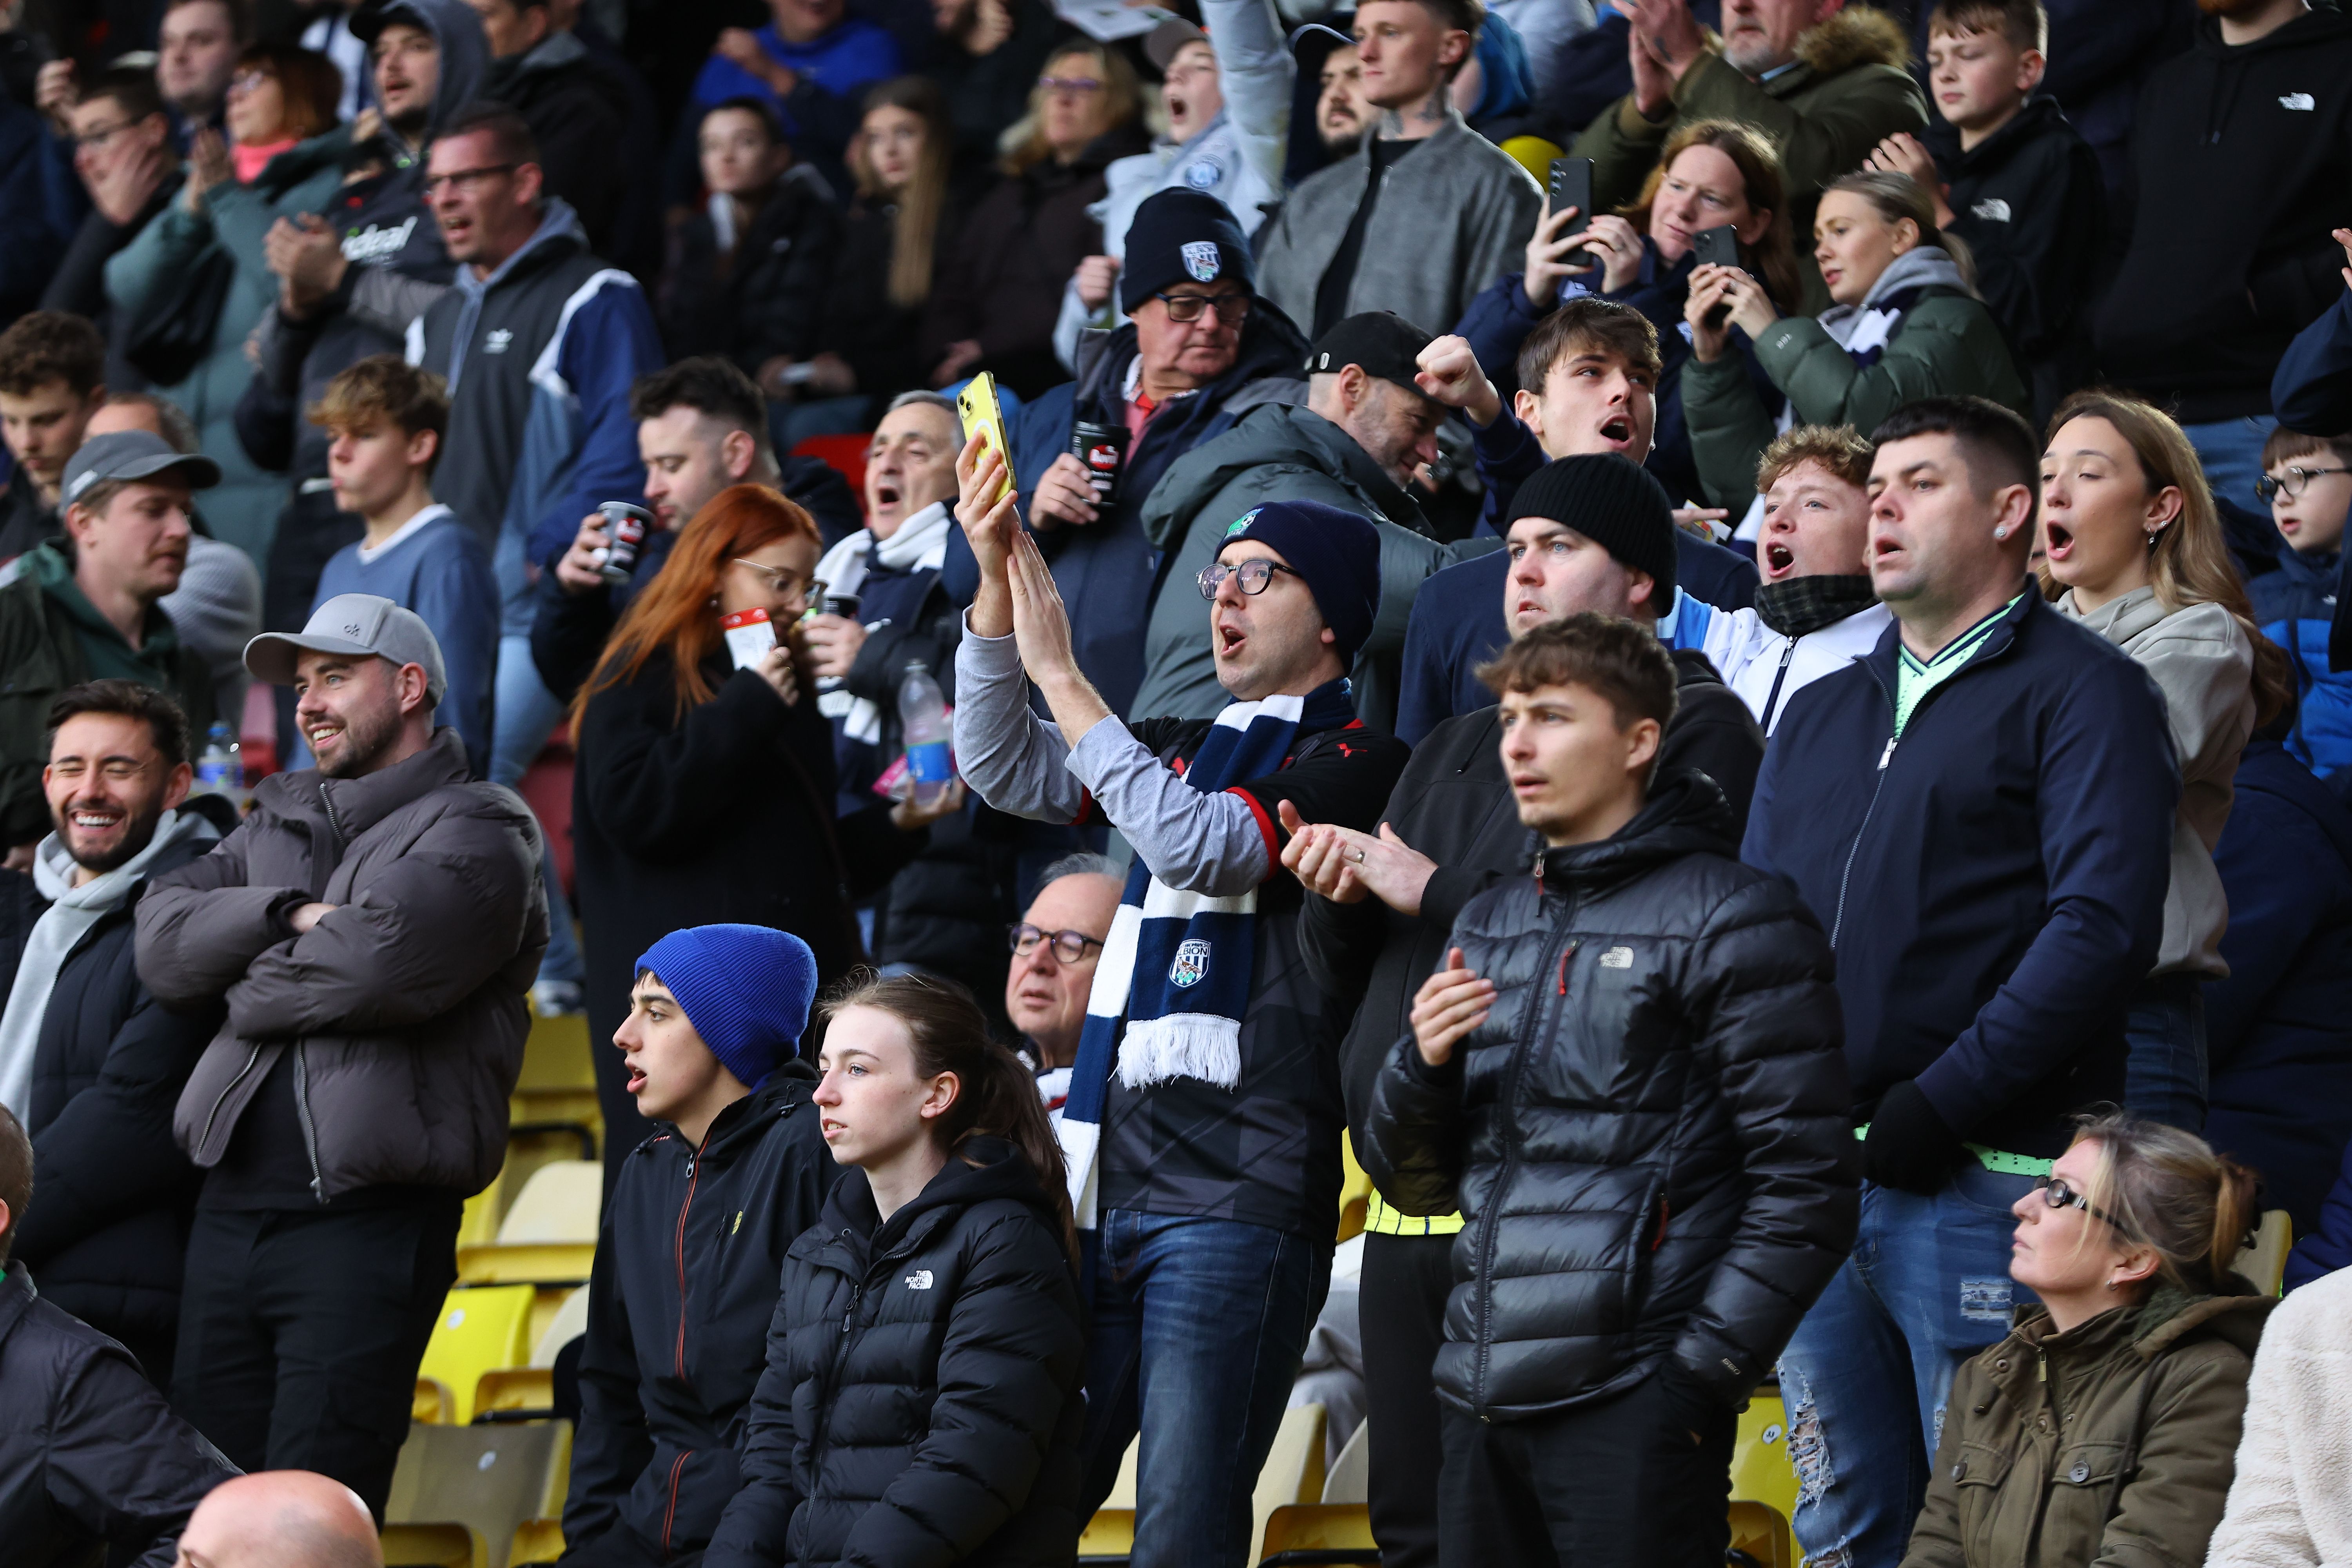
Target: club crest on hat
[1201, 259]
[1242, 521]
[1201, 175]
[1192, 963]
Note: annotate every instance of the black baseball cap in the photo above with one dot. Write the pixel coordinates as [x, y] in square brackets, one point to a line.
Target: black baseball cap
[1381, 342]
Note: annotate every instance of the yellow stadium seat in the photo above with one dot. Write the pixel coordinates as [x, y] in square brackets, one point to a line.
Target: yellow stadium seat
[433, 1546]
[1759, 1535]
[1351, 1471]
[536, 1540]
[548, 1233]
[2263, 1264]
[1534, 154]
[479, 1330]
[515, 1393]
[569, 1321]
[434, 1406]
[1111, 1532]
[1293, 1472]
[558, 1083]
[1320, 1532]
[1763, 1481]
[487, 1480]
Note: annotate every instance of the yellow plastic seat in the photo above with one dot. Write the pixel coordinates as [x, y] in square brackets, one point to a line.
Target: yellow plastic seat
[536, 1540]
[1293, 1472]
[1111, 1532]
[2263, 1264]
[1534, 154]
[1763, 1482]
[1322, 1533]
[434, 1546]
[548, 1234]
[487, 1480]
[1760, 1535]
[1351, 1477]
[479, 1330]
[558, 1083]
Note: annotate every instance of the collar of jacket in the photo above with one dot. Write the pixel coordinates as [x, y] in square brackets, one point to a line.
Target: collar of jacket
[1271, 348]
[2039, 115]
[18, 1294]
[559, 232]
[2121, 618]
[48, 563]
[743, 1123]
[2164, 1320]
[1857, 35]
[1684, 814]
[359, 804]
[2318, 570]
[852, 1236]
[1885, 661]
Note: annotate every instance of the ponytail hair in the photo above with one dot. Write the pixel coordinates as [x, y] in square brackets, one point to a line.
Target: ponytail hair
[1898, 196]
[996, 1094]
[2194, 1209]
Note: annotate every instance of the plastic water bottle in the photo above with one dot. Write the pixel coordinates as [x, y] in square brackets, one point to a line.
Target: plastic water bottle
[221, 770]
[923, 720]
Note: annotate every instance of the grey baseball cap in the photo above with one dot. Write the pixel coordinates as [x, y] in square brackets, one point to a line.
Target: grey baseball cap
[364, 624]
[132, 455]
[1160, 44]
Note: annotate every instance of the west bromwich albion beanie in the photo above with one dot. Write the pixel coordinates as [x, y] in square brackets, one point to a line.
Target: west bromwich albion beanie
[1337, 553]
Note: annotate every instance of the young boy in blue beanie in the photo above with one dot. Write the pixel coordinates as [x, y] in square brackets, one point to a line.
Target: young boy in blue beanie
[693, 1239]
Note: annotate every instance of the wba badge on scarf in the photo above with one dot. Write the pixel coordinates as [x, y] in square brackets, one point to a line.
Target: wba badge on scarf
[1191, 961]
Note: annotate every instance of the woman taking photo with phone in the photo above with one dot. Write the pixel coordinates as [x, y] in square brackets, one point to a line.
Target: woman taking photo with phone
[921, 1403]
[703, 791]
[2104, 1427]
[1906, 324]
[2132, 548]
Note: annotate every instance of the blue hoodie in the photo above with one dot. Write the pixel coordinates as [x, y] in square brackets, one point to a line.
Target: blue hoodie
[2295, 606]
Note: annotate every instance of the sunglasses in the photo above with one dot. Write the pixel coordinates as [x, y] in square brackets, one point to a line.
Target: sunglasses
[2059, 1196]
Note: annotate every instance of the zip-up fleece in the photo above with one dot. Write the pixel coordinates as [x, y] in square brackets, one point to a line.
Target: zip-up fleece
[1994, 881]
[404, 1009]
[539, 356]
[692, 1245]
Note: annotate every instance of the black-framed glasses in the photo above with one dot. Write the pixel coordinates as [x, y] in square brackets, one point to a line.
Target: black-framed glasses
[97, 140]
[2059, 1196]
[1254, 574]
[2294, 482]
[466, 179]
[1069, 946]
[1232, 310]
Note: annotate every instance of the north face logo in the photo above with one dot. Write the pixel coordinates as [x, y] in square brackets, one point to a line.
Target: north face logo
[2302, 100]
[1992, 209]
[498, 342]
[921, 1280]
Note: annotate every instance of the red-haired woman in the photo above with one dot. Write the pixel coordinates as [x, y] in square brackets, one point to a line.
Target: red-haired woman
[704, 793]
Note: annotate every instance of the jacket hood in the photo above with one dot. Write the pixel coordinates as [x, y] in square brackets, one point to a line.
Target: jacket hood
[2169, 1317]
[465, 53]
[1922, 267]
[2121, 618]
[2267, 767]
[1686, 814]
[179, 837]
[982, 1168]
[1288, 434]
[743, 1123]
[2039, 116]
[559, 230]
[1857, 35]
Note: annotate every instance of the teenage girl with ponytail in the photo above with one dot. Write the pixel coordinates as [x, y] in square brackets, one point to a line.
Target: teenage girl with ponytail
[921, 1401]
[2104, 1429]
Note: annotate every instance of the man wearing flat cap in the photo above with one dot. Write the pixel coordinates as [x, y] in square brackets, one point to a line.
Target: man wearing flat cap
[87, 607]
[372, 927]
[1365, 429]
[1203, 1121]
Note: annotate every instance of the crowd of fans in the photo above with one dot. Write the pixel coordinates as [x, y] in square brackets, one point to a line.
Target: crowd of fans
[1711, 633]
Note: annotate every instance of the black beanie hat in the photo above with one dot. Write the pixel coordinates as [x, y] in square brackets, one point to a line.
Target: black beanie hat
[1337, 553]
[1613, 502]
[1182, 236]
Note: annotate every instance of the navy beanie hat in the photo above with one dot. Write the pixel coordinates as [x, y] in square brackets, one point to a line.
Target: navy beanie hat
[1613, 502]
[746, 990]
[1182, 236]
[1337, 553]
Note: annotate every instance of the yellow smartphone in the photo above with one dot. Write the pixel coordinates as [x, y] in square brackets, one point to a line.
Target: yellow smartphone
[976, 405]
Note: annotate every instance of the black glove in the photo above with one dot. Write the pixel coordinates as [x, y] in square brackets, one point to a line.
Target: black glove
[1689, 1410]
[1909, 1148]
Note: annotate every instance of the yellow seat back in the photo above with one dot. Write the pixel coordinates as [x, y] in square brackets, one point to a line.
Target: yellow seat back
[479, 1330]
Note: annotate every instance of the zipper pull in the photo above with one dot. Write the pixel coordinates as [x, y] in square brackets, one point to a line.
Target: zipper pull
[1887, 755]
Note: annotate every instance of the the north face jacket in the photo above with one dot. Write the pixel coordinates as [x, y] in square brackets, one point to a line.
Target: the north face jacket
[2296, 607]
[921, 1402]
[692, 1244]
[402, 1014]
[1646, 1138]
[539, 357]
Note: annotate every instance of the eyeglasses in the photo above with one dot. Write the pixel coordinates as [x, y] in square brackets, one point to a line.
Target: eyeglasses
[1254, 574]
[1069, 946]
[1232, 310]
[467, 178]
[781, 580]
[97, 140]
[2292, 483]
[2059, 1196]
[246, 81]
[1077, 84]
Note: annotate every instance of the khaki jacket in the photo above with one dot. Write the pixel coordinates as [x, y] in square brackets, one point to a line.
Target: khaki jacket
[2111, 1446]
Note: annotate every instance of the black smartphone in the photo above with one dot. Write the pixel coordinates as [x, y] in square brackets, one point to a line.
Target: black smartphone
[1716, 246]
[1571, 185]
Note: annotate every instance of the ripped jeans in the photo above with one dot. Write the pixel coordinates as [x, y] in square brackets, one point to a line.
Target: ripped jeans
[1866, 1374]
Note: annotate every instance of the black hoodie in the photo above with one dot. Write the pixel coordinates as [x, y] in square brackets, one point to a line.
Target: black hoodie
[921, 1403]
[2030, 204]
[2242, 162]
[693, 1243]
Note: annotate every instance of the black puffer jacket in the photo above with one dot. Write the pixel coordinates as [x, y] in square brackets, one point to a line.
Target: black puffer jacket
[763, 297]
[685, 1284]
[921, 1404]
[1648, 1136]
[109, 1234]
[94, 1467]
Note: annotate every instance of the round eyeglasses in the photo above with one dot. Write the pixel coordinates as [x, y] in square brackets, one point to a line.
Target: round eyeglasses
[1069, 946]
[2291, 484]
[1254, 574]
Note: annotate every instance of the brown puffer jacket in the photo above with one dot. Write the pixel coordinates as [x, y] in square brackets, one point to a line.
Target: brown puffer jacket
[2113, 1444]
[405, 1007]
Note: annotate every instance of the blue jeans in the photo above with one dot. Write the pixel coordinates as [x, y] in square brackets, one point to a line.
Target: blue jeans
[1198, 1330]
[524, 716]
[1866, 1374]
[2231, 451]
[2164, 1078]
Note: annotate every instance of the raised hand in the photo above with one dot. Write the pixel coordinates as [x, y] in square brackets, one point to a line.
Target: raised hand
[1097, 276]
[1449, 1005]
[989, 526]
[1040, 625]
[1451, 374]
[1546, 256]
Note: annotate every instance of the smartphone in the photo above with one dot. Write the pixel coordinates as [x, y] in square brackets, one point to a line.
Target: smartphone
[1716, 246]
[1571, 185]
[980, 413]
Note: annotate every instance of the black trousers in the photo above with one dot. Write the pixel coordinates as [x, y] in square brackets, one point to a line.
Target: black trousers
[1615, 1484]
[300, 1334]
[1402, 1311]
[621, 1547]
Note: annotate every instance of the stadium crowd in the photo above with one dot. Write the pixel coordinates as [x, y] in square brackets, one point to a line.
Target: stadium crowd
[1704, 637]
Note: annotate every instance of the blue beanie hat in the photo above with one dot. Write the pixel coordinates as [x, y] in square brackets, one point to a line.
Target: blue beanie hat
[1339, 554]
[745, 989]
[1182, 236]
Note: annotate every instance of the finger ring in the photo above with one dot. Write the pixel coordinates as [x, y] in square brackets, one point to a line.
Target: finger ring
[1360, 856]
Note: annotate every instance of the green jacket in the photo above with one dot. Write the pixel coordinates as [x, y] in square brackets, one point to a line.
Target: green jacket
[1945, 345]
[1276, 453]
[43, 651]
[1850, 89]
[2113, 1446]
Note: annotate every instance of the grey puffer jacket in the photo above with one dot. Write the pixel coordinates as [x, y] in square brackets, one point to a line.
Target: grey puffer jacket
[405, 1007]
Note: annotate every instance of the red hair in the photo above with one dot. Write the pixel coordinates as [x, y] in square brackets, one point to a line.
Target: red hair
[673, 613]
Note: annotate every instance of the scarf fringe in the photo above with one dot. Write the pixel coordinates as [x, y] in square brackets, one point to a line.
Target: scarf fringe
[1181, 1045]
